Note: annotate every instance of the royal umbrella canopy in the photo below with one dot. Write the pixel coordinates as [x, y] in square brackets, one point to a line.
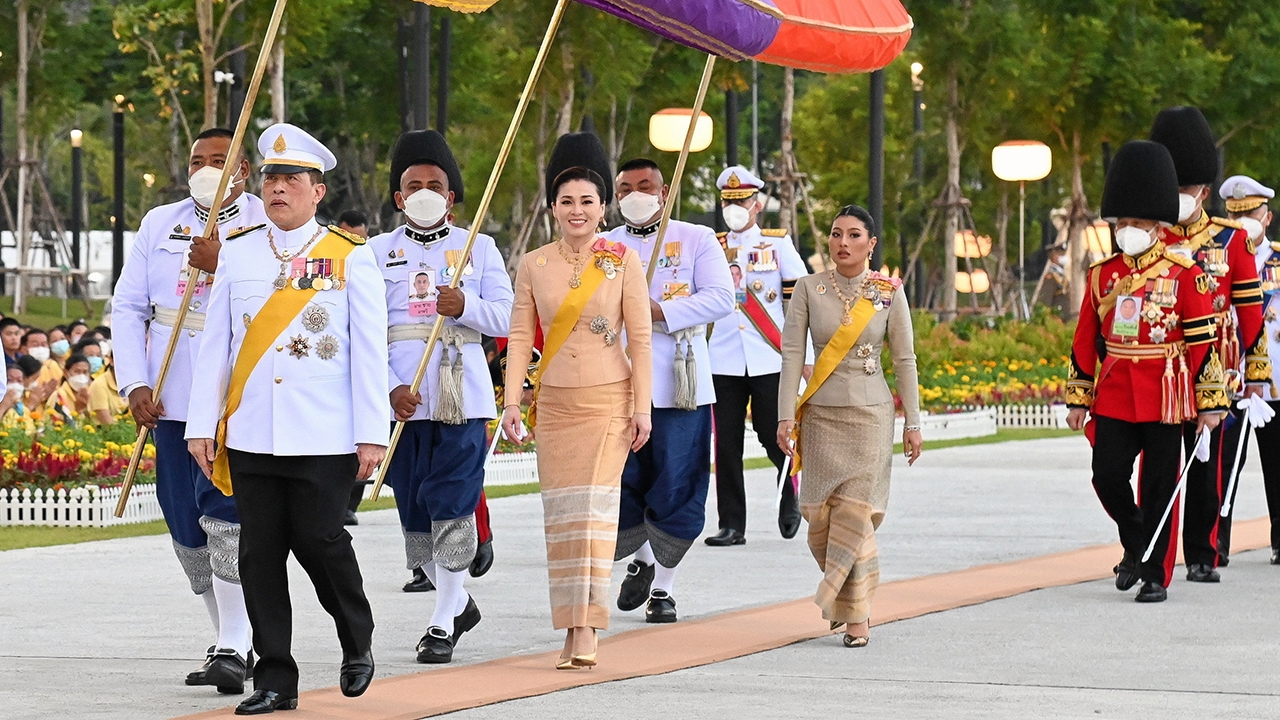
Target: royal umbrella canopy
[835, 36]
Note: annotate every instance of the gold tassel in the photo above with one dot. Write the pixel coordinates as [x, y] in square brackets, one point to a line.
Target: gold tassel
[1170, 404]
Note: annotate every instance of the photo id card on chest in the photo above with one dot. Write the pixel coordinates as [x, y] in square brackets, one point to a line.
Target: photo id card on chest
[422, 292]
[1127, 319]
[184, 276]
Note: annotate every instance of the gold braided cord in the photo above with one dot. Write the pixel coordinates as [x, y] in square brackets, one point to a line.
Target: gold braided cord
[462, 6]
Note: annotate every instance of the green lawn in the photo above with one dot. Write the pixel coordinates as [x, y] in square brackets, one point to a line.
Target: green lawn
[46, 312]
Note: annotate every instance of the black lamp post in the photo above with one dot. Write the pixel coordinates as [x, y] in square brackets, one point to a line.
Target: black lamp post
[117, 206]
[77, 195]
[875, 165]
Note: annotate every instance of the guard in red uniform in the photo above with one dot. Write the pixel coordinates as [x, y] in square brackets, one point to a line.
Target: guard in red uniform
[1226, 254]
[1143, 363]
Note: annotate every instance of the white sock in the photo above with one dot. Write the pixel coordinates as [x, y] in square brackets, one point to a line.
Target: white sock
[430, 570]
[645, 554]
[664, 578]
[211, 604]
[449, 593]
[233, 619]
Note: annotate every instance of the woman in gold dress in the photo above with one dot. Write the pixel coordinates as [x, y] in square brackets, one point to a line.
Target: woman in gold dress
[591, 403]
[842, 427]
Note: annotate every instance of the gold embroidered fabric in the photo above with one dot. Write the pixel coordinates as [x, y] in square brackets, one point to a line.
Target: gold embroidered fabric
[1211, 386]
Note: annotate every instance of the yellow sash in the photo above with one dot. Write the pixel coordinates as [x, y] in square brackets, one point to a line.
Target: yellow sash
[830, 358]
[274, 317]
[561, 325]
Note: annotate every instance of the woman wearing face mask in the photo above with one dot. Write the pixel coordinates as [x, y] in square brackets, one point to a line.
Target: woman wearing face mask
[71, 399]
[92, 350]
[76, 331]
[850, 312]
[591, 404]
[105, 403]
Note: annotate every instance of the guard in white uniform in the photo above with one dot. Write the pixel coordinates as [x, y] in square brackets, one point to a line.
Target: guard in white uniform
[438, 468]
[664, 484]
[203, 523]
[1248, 203]
[294, 390]
[746, 354]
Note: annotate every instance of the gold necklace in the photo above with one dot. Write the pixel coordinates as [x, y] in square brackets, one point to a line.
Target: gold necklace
[577, 261]
[848, 302]
[284, 256]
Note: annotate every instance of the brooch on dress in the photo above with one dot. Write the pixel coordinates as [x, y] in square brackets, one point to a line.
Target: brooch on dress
[315, 318]
[299, 346]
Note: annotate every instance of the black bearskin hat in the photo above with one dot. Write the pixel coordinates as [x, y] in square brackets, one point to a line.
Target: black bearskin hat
[1186, 134]
[580, 149]
[425, 147]
[1142, 183]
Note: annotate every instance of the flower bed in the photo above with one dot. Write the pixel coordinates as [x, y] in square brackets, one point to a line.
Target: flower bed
[54, 455]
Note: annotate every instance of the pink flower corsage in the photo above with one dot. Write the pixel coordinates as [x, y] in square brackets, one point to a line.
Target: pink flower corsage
[608, 256]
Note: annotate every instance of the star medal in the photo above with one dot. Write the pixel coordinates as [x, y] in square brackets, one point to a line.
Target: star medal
[772, 295]
[1157, 334]
[846, 320]
[757, 285]
[1271, 315]
[575, 283]
[864, 351]
[315, 318]
[869, 366]
[610, 337]
[1219, 303]
[281, 282]
[327, 347]
[1152, 312]
[299, 346]
[599, 325]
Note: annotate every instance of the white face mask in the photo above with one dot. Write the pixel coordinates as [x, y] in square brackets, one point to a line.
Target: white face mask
[736, 217]
[105, 346]
[203, 184]
[425, 207]
[1186, 206]
[1253, 227]
[16, 388]
[1134, 241]
[78, 382]
[637, 208]
[39, 353]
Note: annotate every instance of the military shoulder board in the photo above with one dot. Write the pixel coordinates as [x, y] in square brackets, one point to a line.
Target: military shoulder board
[773, 232]
[349, 237]
[245, 231]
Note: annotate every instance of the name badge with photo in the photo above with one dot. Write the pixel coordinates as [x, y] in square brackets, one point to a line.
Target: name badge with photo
[422, 292]
[184, 276]
[671, 290]
[1127, 319]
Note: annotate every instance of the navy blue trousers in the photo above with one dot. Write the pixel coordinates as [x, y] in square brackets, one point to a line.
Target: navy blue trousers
[438, 472]
[184, 492]
[664, 486]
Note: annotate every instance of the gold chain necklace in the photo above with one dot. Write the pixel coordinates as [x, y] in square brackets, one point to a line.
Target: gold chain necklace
[577, 261]
[848, 302]
[284, 256]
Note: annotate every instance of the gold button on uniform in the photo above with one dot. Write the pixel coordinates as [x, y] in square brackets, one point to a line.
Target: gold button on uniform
[191, 333]
[279, 380]
[279, 348]
[742, 327]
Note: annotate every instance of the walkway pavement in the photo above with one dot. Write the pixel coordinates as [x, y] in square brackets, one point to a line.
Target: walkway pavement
[108, 629]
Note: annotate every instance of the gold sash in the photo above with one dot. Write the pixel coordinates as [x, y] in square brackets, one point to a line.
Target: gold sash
[561, 325]
[832, 355]
[274, 318]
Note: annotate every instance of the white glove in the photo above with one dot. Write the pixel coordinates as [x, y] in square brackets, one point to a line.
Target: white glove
[1257, 411]
[1201, 450]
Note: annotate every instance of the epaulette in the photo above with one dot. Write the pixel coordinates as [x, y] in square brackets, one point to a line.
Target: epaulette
[773, 232]
[1275, 246]
[1178, 259]
[881, 279]
[1104, 260]
[244, 231]
[1225, 223]
[348, 236]
[723, 238]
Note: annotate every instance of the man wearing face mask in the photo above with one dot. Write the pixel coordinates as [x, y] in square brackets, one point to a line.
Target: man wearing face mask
[203, 522]
[1223, 249]
[36, 344]
[1248, 203]
[746, 352]
[664, 484]
[438, 469]
[1141, 380]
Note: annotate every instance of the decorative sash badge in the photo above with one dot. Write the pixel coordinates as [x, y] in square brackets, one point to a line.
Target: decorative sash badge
[608, 256]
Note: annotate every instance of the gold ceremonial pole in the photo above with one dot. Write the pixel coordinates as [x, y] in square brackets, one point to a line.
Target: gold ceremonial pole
[228, 169]
[481, 211]
[680, 163]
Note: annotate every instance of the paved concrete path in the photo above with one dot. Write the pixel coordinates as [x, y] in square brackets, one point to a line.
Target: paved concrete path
[108, 629]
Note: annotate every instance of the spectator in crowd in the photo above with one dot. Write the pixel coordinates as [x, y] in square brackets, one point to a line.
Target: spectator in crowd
[37, 387]
[10, 339]
[13, 392]
[105, 403]
[59, 345]
[355, 222]
[71, 399]
[92, 350]
[36, 344]
[76, 331]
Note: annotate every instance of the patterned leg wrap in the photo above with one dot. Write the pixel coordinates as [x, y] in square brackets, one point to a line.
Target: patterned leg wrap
[417, 549]
[455, 542]
[629, 541]
[668, 550]
[224, 547]
[195, 563]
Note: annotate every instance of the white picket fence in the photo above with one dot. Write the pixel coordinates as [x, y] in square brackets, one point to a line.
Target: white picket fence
[89, 506]
[1030, 416]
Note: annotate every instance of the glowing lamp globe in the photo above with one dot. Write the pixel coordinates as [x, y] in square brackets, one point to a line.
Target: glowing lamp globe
[1021, 160]
[667, 130]
[976, 283]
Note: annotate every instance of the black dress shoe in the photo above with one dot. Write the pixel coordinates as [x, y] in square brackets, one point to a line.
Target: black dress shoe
[635, 586]
[1275, 556]
[262, 702]
[662, 608]
[788, 515]
[419, 583]
[1151, 593]
[483, 559]
[351, 518]
[196, 677]
[228, 671]
[1126, 572]
[466, 620]
[726, 537]
[1224, 553]
[356, 674]
[1202, 574]
[436, 647]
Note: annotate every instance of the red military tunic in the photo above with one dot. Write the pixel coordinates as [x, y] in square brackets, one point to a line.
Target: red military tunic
[1223, 250]
[1146, 329]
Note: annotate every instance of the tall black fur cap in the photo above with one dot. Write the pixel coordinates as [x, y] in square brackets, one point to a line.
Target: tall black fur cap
[1189, 139]
[580, 149]
[425, 146]
[1142, 183]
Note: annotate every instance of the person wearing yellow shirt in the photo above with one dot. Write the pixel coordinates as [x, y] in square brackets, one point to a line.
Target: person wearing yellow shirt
[71, 399]
[105, 403]
[36, 344]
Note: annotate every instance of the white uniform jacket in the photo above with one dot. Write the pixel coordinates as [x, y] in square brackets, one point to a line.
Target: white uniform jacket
[487, 311]
[1268, 261]
[321, 388]
[154, 276]
[694, 288]
[765, 261]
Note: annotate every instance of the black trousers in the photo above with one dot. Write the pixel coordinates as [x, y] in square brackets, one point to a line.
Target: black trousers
[1206, 483]
[1268, 437]
[296, 504]
[730, 412]
[1116, 445]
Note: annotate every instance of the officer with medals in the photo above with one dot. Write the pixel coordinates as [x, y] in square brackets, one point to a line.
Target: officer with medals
[664, 484]
[294, 401]
[203, 522]
[746, 351]
[1248, 203]
[1224, 251]
[438, 469]
[1143, 362]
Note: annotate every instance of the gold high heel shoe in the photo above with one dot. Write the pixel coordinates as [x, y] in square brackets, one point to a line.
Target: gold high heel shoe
[857, 641]
[587, 660]
[566, 655]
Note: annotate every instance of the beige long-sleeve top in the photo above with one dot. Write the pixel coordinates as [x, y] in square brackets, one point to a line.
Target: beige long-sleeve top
[585, 359]
[855, 382]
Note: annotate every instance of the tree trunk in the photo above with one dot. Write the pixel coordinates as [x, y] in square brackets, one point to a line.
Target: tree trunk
[1077, 219]
[951, 196]
[24, 174]
[208, 49]
[999, 286]
[278, 110]
[787, 188]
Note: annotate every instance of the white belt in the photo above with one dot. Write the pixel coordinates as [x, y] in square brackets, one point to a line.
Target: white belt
[450, 334]
[168, 316]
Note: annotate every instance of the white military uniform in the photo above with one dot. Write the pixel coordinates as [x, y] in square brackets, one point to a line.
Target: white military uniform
[150, 290]
[765, 259]
[694, 288]
[404, 253]
[321, 389]
[1267, 260]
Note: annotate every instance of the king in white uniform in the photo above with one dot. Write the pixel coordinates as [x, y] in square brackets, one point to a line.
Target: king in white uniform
[438, 468]
[203, 523]
[664, 484]
[294, 386]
